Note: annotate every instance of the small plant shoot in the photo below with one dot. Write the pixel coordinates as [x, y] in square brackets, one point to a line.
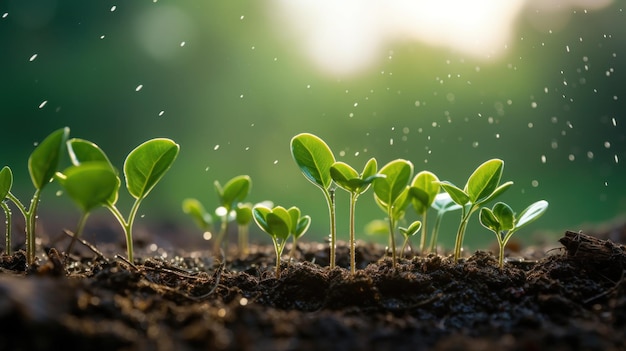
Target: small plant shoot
[277, 223]
[408, 233]
[443, 203]
[356, 184]
[424, 189]
[481, 187]
[391, 193]
[243, 217]
[198, 214]
[232, 193]
[6, 182]
[299, 226]
[42, 165]
[315, 158]
[501, 220]
[144, 167]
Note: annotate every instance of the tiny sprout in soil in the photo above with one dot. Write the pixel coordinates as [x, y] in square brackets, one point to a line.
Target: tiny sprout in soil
[501, 220]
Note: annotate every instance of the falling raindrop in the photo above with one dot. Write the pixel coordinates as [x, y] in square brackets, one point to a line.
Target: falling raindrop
[161, 113]
[533, 104]
[32, 58]
[275, 162]
[590, 155]
[475, 144]
[4, 15]
[607, 145]
[113, 8]
[534, 183]
[102, 36]
[216, 147]
[59, 193]
[616, 158]
[43, 104]
[614, 122]
[139, 87]
[182, 43]
[530, 125]
[571, 157]
[390, 141]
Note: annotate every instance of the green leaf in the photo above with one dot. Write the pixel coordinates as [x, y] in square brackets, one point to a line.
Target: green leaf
[90, 184]
[345, 176]
[443, 203]
[397, 175]
[234, 191]
[457, 195]
[489, 221]
[81, 150]
[531, 213]
[499, 190]
[424, 188]
[147, 163]
[279, 222]
[6, 182]
[259, 213]
[401, 203]
[412, 229]
[201, 217]
[302, 226]
[505, 215]
[294, 216]
[243, 213]
[484, 181]
[314, 158]
[44, 160]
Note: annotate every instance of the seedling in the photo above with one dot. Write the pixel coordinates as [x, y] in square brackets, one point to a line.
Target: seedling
[501, 220]
[299, 226]
[409, 232]
[6, 182]
[424, 188]
[392, 194]
[42, 165]
[243, 217]
[279, 223]
[481, 187]
[200, 216]
[91, 185]
[443, 203]
[356, 184]
[233, 192]
[144, 167]
[315, 158]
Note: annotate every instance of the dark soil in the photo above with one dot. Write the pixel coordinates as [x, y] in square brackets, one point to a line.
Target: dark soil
[572, 298]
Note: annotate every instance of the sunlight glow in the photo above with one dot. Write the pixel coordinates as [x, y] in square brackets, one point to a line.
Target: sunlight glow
[347, 37]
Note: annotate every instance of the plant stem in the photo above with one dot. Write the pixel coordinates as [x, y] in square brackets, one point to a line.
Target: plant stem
[392, 239]
[424, 233]
[31, 220]
[330, 199]
[242, 230]
[353, 198]
[79, 231]
[435, 233]
[7, 213]
[458, 245]
[404, 245]
[217, 244]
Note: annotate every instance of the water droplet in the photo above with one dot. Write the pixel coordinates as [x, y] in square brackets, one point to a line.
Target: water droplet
[391, 141]
[182, 43]
[242, 17]
[567, 48]
[216, 147]
[32, 58]
[533, 104]
[356, 104]
[342, 153]
[4, 15]
[59, 193]
[614, 122]
[247, 148]
[161, 113]
[43, 104]
[569, 124]
[417, 103]
[534, 183]
[207, 168]
[607, 145]
[142, 216]
[554, 119]
[530, 124]
[590, 155]
[207, 235]
[243, 301]
[241, 96]
[554, 144]
[616, 159]
[275, 162]
[308, 86]
[102, 36]
[571, 157]
[356, 153]
[221, 211]
[139, 87]
[475, 144]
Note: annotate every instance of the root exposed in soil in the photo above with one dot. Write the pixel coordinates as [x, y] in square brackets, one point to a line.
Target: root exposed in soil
[572, 298]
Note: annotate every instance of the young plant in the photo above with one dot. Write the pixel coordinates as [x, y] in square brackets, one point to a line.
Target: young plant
[501, 220]
[299, 226]
[409, 232]
[314, 158]
[243, 217]
[144, 167]
[424, 189]
[443, 203]
[356, 184]
[277, 222]
[90, 185]
[481, 187]
[233, 192]
[391, 193]
[42, 165]
[6, 182]
[200, 216]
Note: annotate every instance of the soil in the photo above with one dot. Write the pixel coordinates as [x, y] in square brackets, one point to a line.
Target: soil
[570, 298]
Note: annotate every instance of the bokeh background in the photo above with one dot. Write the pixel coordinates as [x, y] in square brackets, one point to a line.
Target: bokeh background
[447, 86]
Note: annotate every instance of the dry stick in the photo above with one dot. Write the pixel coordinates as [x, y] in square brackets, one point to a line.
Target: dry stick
[85, 243]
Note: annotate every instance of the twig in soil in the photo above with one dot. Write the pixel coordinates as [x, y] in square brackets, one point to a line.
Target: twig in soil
[122, 258]
[88, 245]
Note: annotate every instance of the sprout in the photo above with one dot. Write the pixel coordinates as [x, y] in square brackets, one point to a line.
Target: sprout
[409, 232]
[501, 220]
[356, 184]
[392, 194]
[424, 189]
[6, 182]
[481, 187]
[314, 158]
[233, 192]
[443, 203]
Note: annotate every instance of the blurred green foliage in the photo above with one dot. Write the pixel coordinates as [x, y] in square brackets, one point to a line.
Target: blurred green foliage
[221, 80]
